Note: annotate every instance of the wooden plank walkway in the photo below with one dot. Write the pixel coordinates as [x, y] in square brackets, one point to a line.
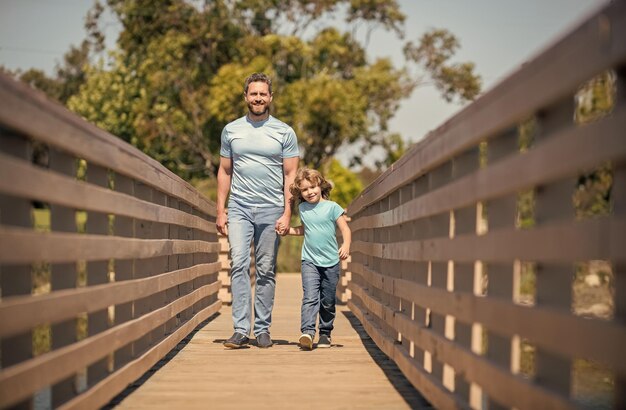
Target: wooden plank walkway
[352, 374]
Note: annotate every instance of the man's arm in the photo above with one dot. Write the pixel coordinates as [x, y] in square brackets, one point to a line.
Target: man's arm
[290, 166]
[224, 177]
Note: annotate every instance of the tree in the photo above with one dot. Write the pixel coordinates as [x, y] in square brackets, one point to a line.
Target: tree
[175, 78]
[346, 184]
[433, 54]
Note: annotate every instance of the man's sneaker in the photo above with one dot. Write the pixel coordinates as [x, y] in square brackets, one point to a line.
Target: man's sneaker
[324, 341]
[306, 341]
[237, 340]
[263, 340]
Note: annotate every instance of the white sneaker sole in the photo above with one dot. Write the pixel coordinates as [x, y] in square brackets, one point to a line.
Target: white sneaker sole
[306, 342]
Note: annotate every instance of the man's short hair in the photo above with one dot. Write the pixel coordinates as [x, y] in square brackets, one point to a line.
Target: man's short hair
[257, 77]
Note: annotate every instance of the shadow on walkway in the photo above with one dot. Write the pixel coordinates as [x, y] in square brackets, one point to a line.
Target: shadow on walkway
[172, 353]
[410, 395]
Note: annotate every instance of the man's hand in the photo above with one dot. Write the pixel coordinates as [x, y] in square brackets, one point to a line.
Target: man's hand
[282, 225]
[221, 223]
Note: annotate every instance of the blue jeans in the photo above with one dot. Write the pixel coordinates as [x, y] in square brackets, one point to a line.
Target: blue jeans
[319, 286]
[244, 225]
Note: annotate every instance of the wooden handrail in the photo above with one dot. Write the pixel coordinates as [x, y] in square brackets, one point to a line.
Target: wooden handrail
[470, 253]
[100, 274]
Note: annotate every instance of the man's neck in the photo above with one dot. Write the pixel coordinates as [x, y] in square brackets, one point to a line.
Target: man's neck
[257, 118]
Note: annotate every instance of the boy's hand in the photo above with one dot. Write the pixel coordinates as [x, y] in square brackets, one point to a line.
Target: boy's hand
[344, 252]
[280, 229]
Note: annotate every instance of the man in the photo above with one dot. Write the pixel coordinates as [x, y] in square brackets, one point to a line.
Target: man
[258, 161]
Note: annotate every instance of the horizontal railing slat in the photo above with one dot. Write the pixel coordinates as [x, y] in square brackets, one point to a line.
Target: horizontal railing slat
[21, 245]
[46, 186]
[21, 313]
[601, 238]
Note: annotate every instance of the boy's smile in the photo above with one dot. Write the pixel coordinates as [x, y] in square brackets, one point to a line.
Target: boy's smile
[311, 193]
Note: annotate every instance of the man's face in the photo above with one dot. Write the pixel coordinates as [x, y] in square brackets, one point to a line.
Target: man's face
[258, 98]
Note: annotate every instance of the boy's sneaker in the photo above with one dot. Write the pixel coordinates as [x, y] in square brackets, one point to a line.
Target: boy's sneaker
[324, 341]
[306, 341]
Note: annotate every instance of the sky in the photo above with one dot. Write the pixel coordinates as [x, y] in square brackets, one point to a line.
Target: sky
[497, 35]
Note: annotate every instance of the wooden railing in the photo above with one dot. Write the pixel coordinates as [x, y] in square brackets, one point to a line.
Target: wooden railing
[225, 294]
[107, 259]
[471, 258]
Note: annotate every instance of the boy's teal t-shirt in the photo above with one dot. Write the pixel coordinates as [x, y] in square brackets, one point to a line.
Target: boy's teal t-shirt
[320, 242]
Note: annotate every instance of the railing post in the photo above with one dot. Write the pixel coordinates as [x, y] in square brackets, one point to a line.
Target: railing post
[618, 194]
[64, 276]
[463, 222]
[15, 279]
[124, 268]
[501, 216]
[172, 264]
[440, 272]
[554, 280]
[97, 272]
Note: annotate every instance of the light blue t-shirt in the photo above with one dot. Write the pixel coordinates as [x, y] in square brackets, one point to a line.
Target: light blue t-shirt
[320, 242]
[257, 150]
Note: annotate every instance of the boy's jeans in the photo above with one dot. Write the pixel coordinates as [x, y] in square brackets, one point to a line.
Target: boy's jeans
[244, 225]
[319, 285]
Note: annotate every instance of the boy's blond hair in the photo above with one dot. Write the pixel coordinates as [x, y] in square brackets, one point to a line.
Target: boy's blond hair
[315, 178]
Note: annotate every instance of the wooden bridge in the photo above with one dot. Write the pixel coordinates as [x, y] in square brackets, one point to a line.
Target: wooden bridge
[488, 267]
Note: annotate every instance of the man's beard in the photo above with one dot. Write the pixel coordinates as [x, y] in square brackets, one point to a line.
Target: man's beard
[251, 108]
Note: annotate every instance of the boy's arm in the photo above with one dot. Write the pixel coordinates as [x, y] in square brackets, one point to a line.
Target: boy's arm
[296, 230]
[342, 223]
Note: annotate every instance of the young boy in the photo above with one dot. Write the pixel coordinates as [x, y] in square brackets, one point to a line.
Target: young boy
[320, 254]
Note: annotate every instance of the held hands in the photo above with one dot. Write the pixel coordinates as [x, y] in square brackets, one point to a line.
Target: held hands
[282, 226]
[344, 252]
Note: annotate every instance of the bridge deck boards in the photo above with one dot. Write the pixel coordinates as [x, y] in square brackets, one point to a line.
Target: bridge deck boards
[351, 374]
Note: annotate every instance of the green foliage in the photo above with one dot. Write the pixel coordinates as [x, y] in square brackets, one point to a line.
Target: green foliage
[109, 99]
[381, 12]
[433, 53]
[346, 184]
[395, 148]
[175, 77]
[290, 253]
[593, 192]
[595, 100]
[325, 113]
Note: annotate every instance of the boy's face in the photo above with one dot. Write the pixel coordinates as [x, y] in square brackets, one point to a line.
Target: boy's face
[311, 192]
